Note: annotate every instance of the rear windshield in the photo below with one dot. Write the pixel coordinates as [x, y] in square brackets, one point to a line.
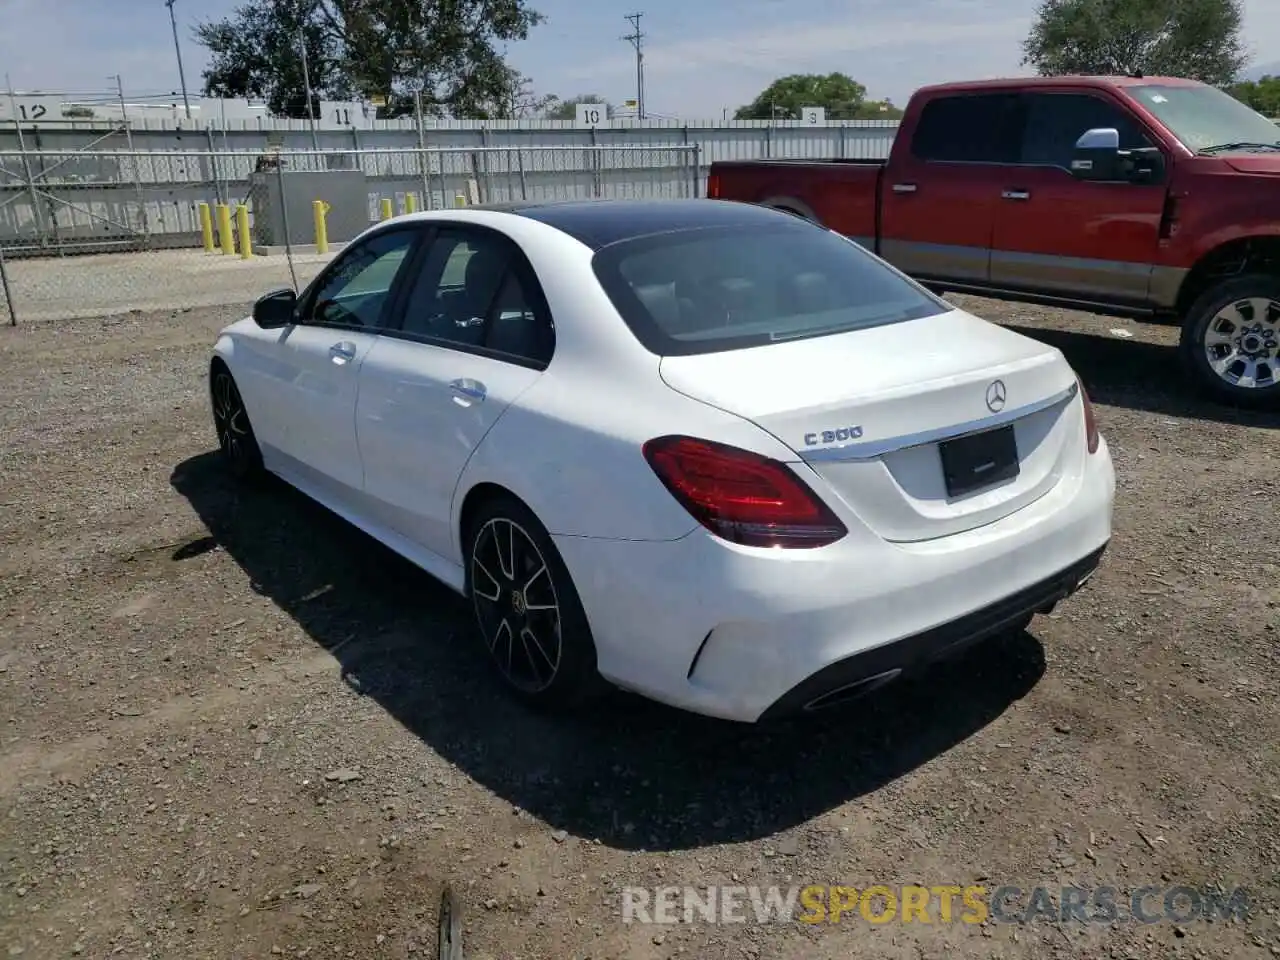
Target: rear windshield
[716, 289]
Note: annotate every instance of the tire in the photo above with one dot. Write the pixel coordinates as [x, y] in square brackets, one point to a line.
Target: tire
[533, 626]
[793, 212]
[1230, 318]
[236, 440]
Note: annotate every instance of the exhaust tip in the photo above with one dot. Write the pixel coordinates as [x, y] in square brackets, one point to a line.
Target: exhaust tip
[851, 691]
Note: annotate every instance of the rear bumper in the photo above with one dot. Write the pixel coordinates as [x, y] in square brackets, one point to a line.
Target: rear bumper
[742, 633]
[862, 672]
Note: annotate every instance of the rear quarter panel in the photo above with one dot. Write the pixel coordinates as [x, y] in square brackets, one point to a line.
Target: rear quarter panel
[570, 446]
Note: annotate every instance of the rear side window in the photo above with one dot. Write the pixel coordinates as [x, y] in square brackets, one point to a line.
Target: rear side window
[974, 128]
[716, 289]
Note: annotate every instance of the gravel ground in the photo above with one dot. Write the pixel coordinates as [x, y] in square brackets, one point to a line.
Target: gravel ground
[234, 727]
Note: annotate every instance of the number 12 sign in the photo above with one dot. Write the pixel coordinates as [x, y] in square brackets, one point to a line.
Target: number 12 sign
[29, 109]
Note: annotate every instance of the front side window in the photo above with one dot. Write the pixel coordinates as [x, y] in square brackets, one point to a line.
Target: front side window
[1055, 121]
[1204, 118]
[708, 290]
[968, 128]
[357, 291]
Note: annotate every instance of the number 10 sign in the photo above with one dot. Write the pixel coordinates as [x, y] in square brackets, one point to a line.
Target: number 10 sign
[591, 114]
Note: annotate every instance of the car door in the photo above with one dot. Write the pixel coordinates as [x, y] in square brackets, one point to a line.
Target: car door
[1059, 235]
[474, 333]
[316, 362]
[939, 190]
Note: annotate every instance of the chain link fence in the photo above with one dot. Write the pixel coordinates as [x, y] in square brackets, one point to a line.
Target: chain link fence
[93, 232]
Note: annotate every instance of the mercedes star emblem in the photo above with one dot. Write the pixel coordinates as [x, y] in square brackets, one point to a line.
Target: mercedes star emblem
[995, 396]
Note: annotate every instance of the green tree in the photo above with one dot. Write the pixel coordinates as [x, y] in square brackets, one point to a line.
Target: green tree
[361, 49]
[841, 96]
[1263, 95]
[568, 109]
[1199, 39]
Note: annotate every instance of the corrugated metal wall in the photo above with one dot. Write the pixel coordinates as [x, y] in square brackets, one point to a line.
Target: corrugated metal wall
[78, 184]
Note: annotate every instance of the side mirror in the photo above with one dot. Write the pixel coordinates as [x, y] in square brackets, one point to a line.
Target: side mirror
[276, 309]
[1099, 138]
[1143, 166]
[1097, 155]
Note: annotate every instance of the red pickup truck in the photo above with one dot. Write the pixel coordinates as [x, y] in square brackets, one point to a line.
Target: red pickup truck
[1145, 197]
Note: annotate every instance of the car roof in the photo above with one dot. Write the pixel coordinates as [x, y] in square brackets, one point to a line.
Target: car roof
[599, 223]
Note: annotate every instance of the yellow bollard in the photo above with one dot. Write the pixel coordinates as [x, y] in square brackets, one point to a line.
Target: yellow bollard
[410, 203]
[460, 200]
[206, 227]
[242, 228]
[224, 230]
[388, 210]
[319, 209]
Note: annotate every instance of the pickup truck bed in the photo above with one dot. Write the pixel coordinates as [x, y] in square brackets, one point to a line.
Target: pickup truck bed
[846, 192]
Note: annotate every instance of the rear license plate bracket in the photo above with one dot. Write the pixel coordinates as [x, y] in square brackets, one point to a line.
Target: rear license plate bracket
[979, 460]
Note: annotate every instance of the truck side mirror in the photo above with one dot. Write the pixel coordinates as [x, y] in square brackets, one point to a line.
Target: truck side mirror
[1097, 155]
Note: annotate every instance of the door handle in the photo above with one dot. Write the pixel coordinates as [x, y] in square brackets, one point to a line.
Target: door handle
[466, 387]
[342, 352]
[904, 188]
[1016, 195]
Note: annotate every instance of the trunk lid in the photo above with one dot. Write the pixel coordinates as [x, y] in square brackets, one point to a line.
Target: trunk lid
[872, 412]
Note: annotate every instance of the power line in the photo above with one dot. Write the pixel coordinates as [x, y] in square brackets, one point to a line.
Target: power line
[636, 39]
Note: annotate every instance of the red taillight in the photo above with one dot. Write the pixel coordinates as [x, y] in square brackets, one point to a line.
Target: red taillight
[1090, 421]
[713, 186]
[741, 496]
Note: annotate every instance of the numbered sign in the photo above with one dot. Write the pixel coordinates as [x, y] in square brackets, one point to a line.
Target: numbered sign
[345, 113]
[591, 114]
[28, 108]
[813, 115]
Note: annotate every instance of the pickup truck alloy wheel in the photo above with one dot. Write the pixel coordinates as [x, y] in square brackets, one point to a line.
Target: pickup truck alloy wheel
[527, 610]
[1232, 340]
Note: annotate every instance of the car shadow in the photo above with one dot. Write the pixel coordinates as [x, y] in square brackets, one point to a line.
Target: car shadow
[1140, 376]
[633, 774]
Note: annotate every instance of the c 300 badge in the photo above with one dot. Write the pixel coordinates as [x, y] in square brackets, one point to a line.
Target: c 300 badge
[839, 435]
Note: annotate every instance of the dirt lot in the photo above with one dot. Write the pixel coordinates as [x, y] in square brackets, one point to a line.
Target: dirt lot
[234, 727]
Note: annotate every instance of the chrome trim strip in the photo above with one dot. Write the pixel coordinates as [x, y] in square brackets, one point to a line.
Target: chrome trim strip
[878, 448]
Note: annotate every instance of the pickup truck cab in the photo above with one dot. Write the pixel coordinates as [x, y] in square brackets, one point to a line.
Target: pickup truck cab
[1146, 197]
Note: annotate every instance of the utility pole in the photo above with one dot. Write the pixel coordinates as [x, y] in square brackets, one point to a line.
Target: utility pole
[636, 39]
[306, 82]
[177, 48]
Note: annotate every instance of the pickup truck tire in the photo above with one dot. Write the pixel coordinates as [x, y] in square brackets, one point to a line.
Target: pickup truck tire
[1239, 317]
[794, 207]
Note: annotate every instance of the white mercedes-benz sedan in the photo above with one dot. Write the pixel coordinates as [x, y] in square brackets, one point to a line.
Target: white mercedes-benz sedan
[702, 450]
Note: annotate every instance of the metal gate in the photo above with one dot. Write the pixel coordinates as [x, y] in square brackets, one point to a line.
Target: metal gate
[75, 199]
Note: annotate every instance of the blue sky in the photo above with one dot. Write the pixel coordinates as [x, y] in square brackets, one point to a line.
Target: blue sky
[702, 58]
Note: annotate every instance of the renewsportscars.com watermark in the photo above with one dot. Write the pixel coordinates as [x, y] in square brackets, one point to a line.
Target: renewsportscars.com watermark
[943, 904]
